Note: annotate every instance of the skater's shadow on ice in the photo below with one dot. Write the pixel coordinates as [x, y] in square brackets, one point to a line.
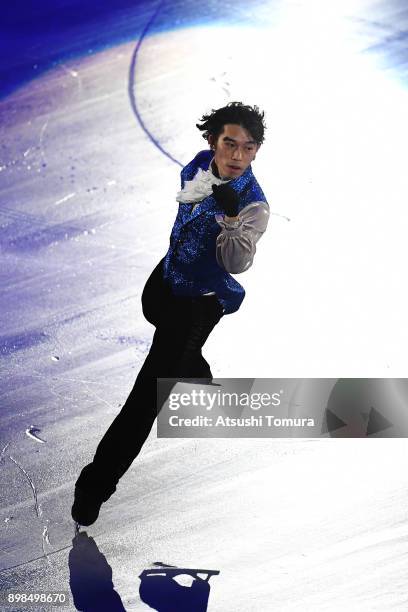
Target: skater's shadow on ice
[165, 588]
[91, 578]
[170, 589]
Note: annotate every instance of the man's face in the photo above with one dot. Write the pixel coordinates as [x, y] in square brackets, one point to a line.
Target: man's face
[235, 149]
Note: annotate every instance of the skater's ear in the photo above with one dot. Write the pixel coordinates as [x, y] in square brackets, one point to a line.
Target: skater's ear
[258, 146]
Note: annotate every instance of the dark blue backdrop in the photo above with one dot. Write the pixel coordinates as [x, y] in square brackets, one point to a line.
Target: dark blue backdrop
[42, 33]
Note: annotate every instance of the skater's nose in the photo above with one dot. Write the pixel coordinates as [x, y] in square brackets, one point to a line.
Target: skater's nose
[237, 154]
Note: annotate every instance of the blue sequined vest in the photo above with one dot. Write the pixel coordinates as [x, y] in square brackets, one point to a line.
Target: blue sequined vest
[190, 265]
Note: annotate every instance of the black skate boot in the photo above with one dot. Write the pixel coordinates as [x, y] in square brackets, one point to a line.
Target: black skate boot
[90, 494]
[86, 506]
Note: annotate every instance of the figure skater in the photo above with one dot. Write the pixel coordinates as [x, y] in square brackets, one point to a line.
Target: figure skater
[222, 213]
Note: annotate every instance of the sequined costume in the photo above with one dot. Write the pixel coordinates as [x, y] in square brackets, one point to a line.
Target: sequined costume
[205, 249]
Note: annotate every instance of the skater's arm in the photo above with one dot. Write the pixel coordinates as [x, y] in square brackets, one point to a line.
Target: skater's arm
[236, 243]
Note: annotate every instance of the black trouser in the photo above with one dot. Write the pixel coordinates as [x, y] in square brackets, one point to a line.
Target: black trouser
[183, 324]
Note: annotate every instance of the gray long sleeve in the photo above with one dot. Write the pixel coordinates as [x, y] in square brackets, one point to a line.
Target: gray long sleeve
[236, 243]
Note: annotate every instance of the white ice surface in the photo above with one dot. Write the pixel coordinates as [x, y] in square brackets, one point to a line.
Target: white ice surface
[291, 524]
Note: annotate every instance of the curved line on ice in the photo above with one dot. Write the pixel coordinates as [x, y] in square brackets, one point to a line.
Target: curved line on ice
[132, 87]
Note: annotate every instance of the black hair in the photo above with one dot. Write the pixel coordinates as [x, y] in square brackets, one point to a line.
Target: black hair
[248, 117]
